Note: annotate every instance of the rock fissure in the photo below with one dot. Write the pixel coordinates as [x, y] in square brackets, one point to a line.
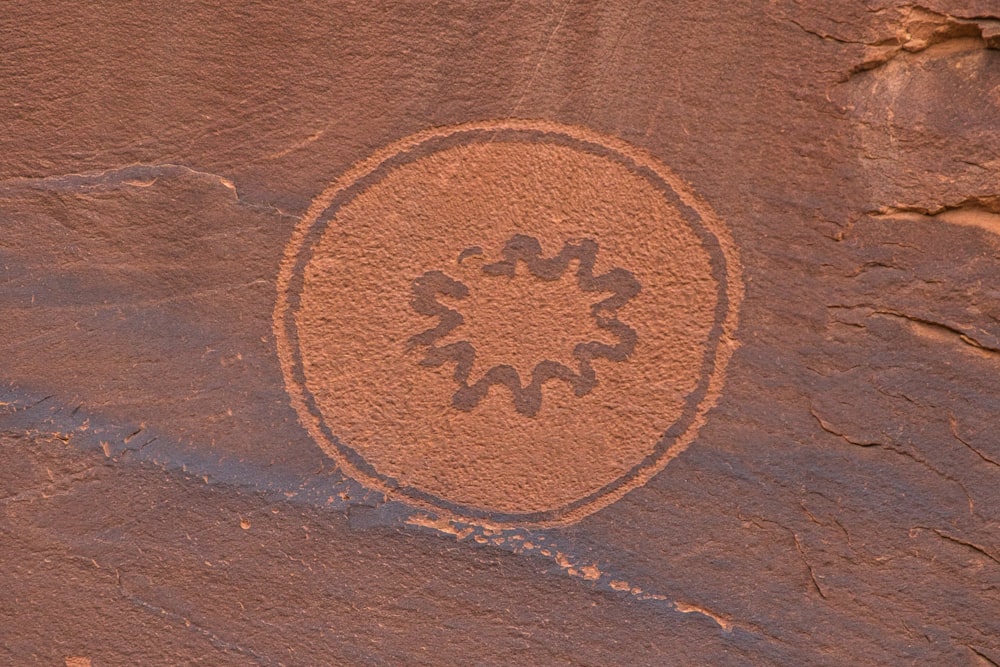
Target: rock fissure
[176, 617]
[917, 30]
[954, 431]
[965, 543]
[133, 175]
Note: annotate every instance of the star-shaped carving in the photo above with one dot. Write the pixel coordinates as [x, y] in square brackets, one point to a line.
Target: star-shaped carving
[621, 284]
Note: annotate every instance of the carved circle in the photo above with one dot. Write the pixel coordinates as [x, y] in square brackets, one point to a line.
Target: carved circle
[506, 322]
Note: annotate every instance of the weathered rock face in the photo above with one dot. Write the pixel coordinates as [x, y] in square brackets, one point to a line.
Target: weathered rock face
[571, 333]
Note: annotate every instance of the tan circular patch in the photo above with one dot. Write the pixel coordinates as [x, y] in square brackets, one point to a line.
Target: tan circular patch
[507, 322]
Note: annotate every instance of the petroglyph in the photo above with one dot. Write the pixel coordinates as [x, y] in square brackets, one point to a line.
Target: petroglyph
[527, 397]
[509, 322]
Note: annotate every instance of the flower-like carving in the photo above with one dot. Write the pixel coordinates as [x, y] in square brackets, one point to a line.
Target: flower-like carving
[621, 285]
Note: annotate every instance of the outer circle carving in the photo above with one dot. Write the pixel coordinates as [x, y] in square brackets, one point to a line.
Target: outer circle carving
[507, 322]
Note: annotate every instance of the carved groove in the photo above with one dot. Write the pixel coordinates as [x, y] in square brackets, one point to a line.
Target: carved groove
[527, 398]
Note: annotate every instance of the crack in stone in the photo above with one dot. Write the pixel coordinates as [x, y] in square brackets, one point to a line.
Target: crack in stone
[527, 398]
[892, 447]
[829, 428]
[989, 203]
[957, 540]
[922, 461]
[805, 561]
[524, 542]
[918, 29]
[964, 336]
[213, 638]
[758, 520]
[982, 211]
[970, 338]
[982, 655]
[954, 431]
[138, 175]
[135, 175]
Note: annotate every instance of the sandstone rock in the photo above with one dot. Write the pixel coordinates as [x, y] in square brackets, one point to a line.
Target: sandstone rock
[472, 333]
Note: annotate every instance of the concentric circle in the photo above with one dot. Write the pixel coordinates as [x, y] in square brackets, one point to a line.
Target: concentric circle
[506, 322]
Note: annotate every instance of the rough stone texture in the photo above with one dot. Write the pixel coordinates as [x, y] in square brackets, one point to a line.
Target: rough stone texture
[161, 503]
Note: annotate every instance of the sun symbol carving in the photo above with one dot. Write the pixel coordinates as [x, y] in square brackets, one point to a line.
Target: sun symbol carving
[579, 374]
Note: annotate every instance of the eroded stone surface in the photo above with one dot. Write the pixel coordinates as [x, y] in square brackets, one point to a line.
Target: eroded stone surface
[160, 502]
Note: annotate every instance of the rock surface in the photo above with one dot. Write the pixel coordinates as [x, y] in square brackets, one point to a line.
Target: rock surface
[836, 500]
